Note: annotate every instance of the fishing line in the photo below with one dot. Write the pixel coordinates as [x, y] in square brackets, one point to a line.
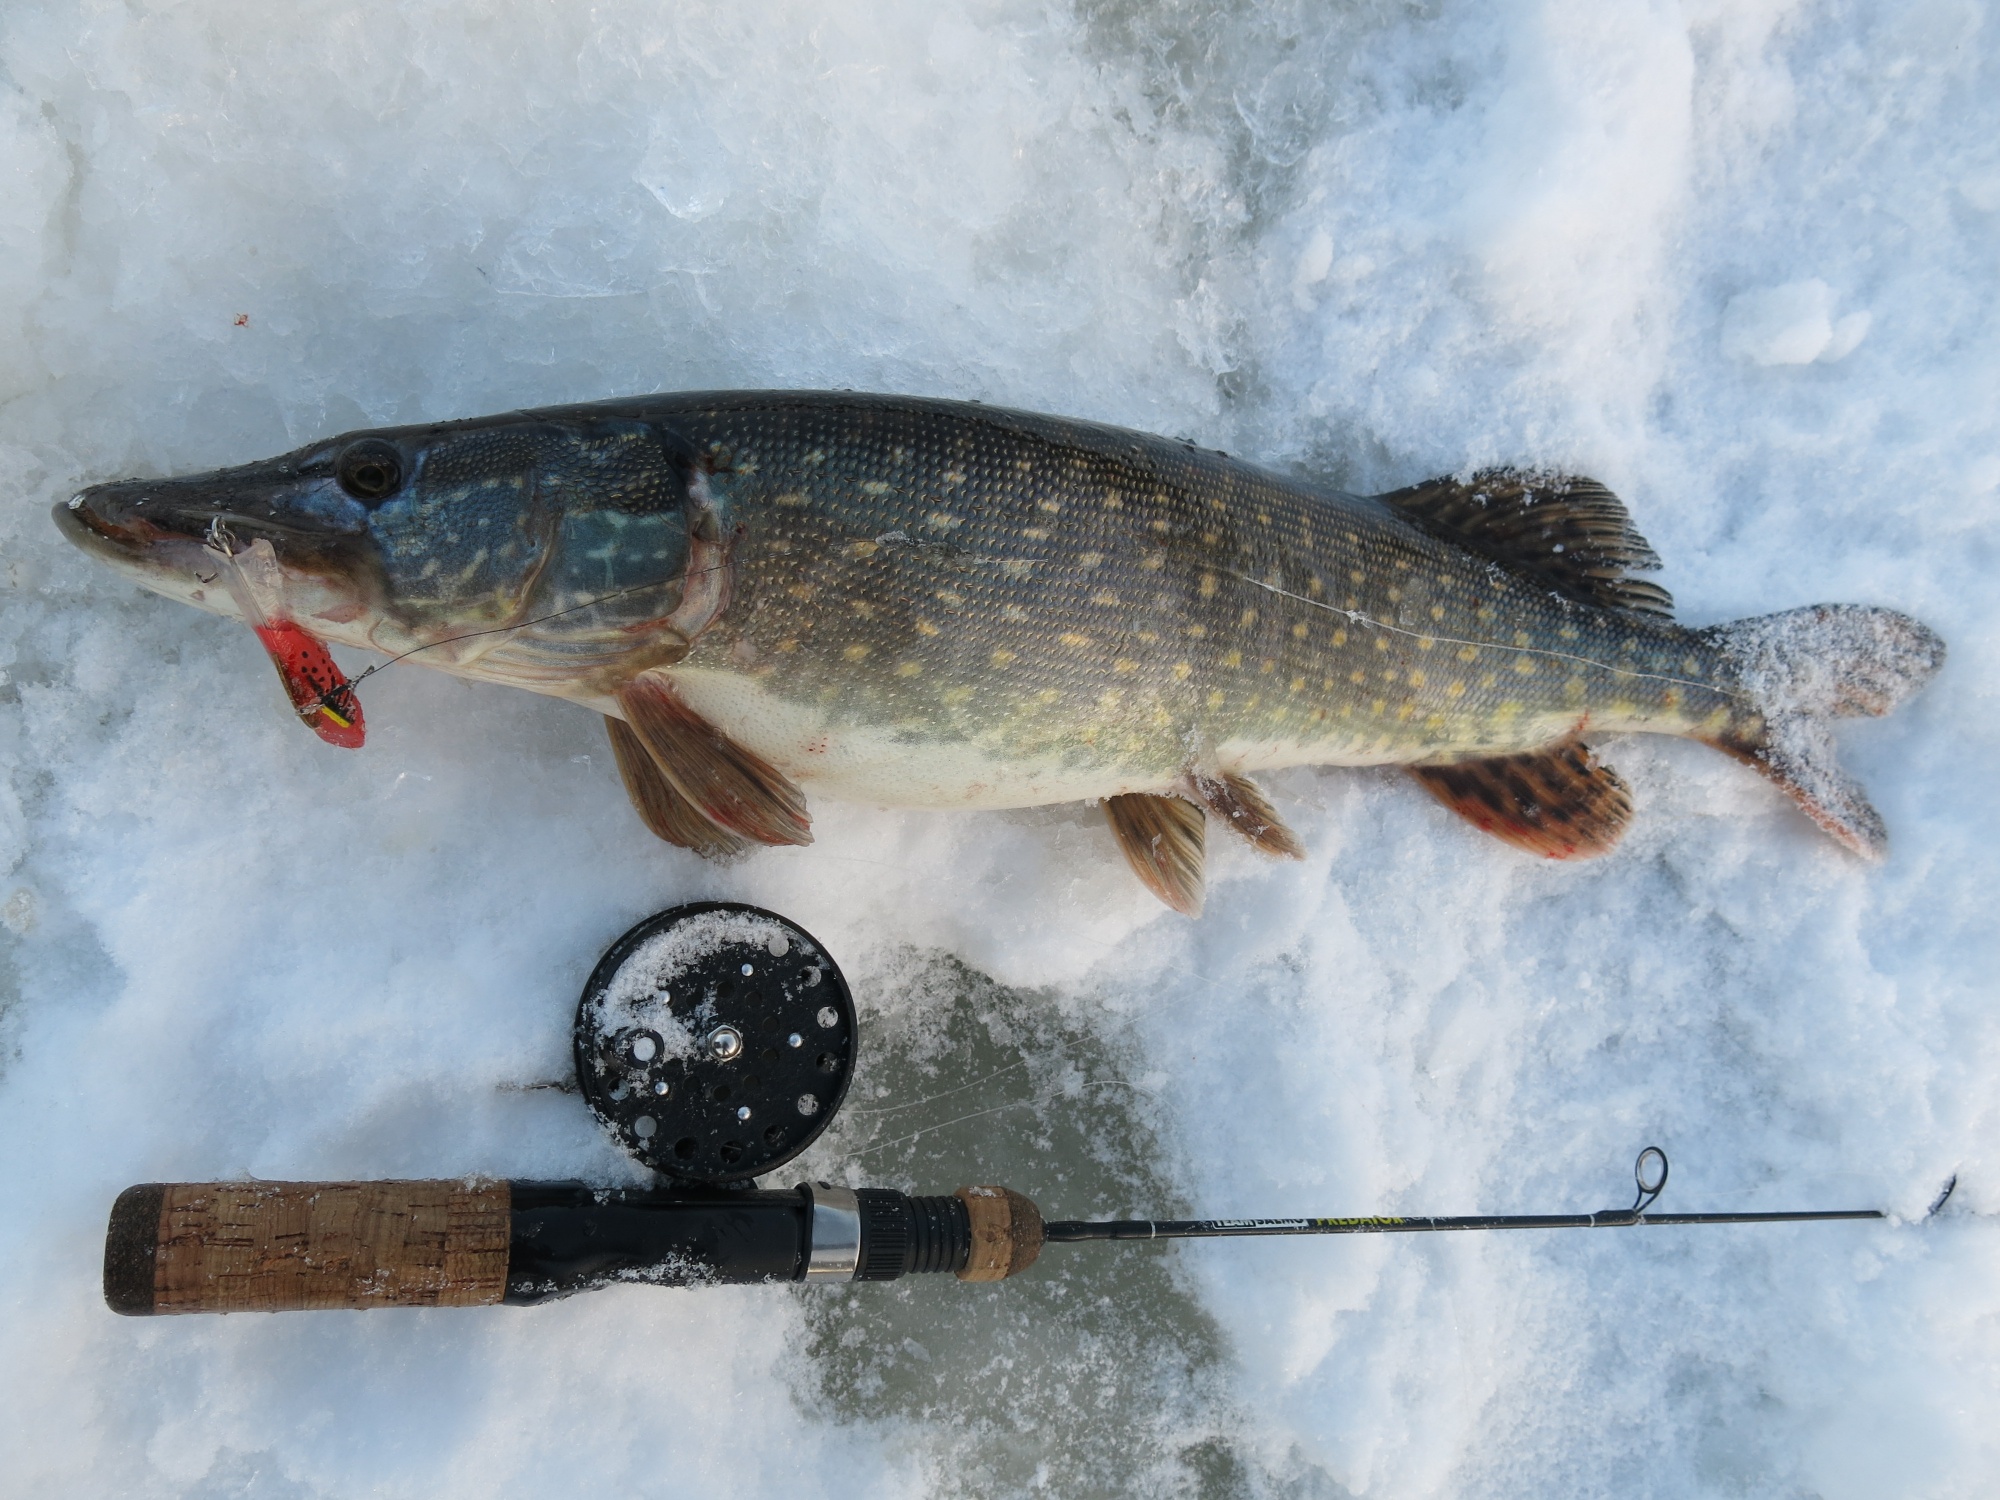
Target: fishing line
[449, 640]
[889, 1109]
[980, 1114]
[1357, 617]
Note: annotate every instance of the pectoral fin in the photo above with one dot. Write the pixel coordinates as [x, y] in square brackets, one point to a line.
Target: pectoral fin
[665, 811]
[1561, 803]
[1241, 804]
[1162, 840]
[731, 786]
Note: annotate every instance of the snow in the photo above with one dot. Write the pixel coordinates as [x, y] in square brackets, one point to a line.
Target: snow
[1736, 260]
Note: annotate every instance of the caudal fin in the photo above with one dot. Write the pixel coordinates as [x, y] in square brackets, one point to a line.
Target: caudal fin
[1803, 667]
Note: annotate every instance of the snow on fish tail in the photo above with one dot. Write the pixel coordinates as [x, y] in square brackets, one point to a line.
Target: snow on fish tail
[1800, 669]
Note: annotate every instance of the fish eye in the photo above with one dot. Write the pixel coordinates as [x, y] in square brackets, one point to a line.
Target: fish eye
[369, 470]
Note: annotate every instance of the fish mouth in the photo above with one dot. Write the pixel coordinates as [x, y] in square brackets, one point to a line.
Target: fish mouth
[143, 521]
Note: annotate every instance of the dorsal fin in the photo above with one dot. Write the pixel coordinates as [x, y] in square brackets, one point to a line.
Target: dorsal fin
[1570, 533]
[1162, 839]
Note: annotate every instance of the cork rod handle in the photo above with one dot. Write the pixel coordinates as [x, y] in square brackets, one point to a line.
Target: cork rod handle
[288, 1246]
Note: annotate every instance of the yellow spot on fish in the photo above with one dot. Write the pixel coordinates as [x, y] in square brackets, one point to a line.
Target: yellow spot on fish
[1197, 631]
[1246, 619]
[802, 590]
[1182, 671]
[1233, 659]
[1381, 643]
[1339, 637]
[924, 627]
[1113, 500]
[856, 652]
[1152, 562]
[874, 487]
[1355, 575]
[1522, 638]
[1425, 643]
[1468, 653]
[1489, 680]
[1035, 533]
[1690, 665]
[942, 520]
[1525, 665]
[1047, 695]
[1437, 611]
[1298, 684]
[1456, 690]
[946, 596]
[863, 608]
[955, 696]
[1002, 657]
[1300, 631]
[1124, 664]
[1106, 598]
[1110, 698]
[954, 476]
[792, 498]
[1416, 679]
[817, 456]
[908, 668]
[1147, 637]
[1267, 665]
[1074, 641]
[1568, 632]
[1018, 567]
[1215, 698]
[788, 646]
[1162, 525]
[1053, 507]
[1395, 595]
[1208, 585]
[1088, 560]
[863, 549]
[1357, 677]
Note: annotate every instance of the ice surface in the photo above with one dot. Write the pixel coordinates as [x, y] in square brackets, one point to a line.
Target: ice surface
[1379, 242]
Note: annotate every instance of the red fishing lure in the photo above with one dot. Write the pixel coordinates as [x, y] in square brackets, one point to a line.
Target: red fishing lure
[319, 690]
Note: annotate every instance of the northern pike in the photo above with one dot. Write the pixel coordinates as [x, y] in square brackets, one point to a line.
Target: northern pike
[923, 603]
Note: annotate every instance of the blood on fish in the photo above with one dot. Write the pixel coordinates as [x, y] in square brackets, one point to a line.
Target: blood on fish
[319, 690]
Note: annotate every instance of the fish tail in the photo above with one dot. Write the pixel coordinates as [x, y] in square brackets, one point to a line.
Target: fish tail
[1804, 667]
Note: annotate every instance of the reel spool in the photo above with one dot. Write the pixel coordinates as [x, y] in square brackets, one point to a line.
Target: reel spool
[715, 1041]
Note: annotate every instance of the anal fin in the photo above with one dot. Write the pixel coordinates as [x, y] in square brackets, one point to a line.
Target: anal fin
[663, 810]
[733, 787]
[1241, 804]
[1561, 803]
[1162, 840]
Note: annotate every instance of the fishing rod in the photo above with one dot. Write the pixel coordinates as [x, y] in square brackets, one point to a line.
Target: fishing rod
[714, 1042]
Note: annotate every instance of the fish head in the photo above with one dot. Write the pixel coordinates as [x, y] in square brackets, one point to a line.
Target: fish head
[404, 536]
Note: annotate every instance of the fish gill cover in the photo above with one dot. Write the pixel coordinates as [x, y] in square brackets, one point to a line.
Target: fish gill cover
[1735, 262]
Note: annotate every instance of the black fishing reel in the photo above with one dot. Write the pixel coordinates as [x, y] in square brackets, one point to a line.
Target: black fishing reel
[715, 1041]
